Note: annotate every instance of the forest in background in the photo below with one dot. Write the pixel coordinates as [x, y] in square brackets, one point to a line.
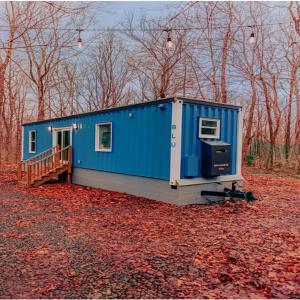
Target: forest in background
[245, 53]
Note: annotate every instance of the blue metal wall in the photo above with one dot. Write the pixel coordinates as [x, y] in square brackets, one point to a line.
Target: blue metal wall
[140, 146]
[191, 144]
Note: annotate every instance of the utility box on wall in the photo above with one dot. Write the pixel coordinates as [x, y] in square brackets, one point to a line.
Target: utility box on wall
[215, 160]
[191, 164]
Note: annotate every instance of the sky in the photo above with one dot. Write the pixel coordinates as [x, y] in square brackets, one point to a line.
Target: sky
[112, 13]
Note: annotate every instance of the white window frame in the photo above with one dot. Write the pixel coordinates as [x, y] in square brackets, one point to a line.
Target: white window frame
[209, 136]
[97, 148]
[30, 141]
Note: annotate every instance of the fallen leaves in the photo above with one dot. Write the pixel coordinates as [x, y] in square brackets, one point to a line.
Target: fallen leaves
[68, 241]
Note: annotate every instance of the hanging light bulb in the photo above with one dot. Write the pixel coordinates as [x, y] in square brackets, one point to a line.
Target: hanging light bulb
[252, 38]
[79, 40]
[169, 43]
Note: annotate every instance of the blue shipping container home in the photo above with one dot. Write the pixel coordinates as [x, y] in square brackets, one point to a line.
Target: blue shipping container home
[169, 149]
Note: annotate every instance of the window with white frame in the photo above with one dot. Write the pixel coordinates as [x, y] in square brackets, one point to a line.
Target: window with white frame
[32, 141]
[103, 140]
[209, 128]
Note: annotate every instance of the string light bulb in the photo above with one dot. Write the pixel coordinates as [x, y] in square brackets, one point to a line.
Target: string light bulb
[252, 38]
[169, 43]
[79, 40]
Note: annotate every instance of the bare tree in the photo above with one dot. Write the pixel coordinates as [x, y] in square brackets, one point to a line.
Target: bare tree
[294, 10]
[16, 90]
[47, 46]
[19, 17]
[152, 59]
[107, 76]
[292, 55]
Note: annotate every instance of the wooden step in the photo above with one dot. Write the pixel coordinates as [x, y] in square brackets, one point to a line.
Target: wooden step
[50, 176]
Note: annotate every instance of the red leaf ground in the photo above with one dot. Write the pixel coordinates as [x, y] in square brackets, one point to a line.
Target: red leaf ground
[60, 241]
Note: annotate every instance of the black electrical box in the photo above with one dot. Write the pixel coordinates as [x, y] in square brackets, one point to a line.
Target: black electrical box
[215, 158]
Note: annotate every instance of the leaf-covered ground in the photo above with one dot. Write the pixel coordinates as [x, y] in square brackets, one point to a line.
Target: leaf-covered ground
[60, 241]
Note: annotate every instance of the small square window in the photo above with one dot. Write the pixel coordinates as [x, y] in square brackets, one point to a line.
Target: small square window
[32, 141]
[103, 139]
[210, 131]
[209, 123]
[209, 128]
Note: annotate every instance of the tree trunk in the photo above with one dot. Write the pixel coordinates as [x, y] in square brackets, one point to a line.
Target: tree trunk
[248, 135]
[41, 102]
[2, 73]
[270, 159]
[289, 116]
[297, 127]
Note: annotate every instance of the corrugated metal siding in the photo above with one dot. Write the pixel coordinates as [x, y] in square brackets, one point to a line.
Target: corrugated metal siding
[191, 144]
[141, 144]
[43, 139]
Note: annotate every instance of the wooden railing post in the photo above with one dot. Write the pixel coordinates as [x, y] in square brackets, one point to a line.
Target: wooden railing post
[29, 174]
[57, 155]
[38, 169]
[19, 171]
[69, 165]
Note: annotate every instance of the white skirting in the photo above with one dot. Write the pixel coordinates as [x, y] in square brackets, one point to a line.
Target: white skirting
[151, 188]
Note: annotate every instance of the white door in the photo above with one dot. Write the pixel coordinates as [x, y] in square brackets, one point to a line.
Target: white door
[63, 138]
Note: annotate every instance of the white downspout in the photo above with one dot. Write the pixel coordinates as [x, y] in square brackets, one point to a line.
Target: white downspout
[22, 143]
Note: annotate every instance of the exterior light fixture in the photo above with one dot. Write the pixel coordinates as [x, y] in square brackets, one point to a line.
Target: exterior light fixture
[79, 40]
[75, 126]
[169, 43]
[252, 38]
[49, 128]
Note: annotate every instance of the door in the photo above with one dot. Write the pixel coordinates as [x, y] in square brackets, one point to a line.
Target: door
[62, 137]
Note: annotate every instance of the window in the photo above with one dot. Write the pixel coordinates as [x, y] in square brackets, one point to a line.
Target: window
[209, 128]
[103, 137]
[32, 141]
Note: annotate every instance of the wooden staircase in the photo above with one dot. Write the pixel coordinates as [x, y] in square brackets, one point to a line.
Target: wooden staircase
[45, 166]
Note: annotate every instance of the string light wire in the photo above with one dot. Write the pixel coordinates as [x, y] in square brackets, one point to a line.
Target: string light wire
[2, 27]
[99, 30]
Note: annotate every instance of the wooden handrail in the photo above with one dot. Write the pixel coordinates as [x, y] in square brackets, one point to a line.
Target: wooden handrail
[42, 154]
[44, 163]
[23, 165]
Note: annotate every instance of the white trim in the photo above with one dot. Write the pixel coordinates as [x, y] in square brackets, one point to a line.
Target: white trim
[22, 143]
[56, 129]
[209, 136]
[224, 178]
[30, 141]
[97, 148]
[239, 142]
[176, 132]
